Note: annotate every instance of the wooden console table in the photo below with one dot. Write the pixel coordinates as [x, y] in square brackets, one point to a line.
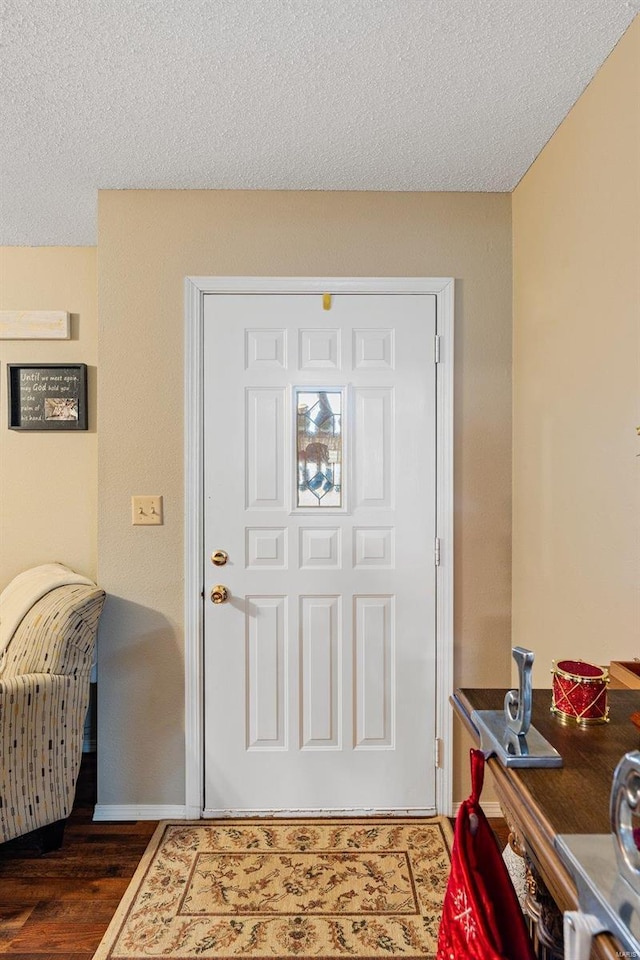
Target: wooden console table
[540, 803]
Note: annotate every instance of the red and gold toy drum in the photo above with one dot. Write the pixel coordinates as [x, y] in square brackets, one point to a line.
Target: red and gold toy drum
[579, 692]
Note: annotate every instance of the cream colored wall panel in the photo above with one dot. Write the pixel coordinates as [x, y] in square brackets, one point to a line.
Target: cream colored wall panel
[319, 349]
[266, 547]
[265, 455]
[265, 672]
[576, 369]
[320, 640]
[149, 241]
[49, 482]
[374, 677]
[265, 349]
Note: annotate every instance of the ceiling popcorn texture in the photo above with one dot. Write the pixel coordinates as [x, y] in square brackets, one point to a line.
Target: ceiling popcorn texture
[452, 95]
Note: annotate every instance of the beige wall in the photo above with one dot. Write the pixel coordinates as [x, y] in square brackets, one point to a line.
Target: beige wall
[148, 242]
[576, 259]
[48, 481]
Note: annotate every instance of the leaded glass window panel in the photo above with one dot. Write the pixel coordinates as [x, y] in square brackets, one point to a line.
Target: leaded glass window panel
[319, 447]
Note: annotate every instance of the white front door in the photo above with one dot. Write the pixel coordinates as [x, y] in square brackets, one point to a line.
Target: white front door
[319, 485]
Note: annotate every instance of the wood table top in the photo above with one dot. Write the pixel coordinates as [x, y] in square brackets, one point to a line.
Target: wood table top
[574, 798]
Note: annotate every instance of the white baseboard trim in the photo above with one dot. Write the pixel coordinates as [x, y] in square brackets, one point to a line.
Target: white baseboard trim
[490, 809]
[134, 811]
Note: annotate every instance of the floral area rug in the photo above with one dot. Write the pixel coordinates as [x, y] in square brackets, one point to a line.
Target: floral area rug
[285, 888]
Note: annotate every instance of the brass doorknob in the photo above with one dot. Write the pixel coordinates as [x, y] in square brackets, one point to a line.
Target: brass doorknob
[219, 593]
[219, 558]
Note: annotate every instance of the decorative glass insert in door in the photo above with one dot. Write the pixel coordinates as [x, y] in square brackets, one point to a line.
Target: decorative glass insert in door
[319, 447]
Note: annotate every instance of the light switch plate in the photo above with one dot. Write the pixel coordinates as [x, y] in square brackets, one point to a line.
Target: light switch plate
[146, 511]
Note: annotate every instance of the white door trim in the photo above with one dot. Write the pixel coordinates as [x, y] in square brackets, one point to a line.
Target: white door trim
[195, 290]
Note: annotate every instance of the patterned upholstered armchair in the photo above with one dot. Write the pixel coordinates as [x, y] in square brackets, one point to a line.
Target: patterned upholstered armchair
[48, 625]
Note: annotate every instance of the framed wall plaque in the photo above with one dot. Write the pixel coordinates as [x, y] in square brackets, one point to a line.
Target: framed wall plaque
[49, 396]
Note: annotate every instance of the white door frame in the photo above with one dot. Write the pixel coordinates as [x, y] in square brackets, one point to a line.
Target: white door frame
[195, 290]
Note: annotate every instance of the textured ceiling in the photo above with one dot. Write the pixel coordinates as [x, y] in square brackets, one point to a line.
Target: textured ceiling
[280, 94]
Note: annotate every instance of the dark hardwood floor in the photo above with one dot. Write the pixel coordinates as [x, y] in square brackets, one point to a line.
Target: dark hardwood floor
[59, 904]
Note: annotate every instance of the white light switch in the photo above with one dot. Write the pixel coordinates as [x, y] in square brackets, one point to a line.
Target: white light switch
[146, 510]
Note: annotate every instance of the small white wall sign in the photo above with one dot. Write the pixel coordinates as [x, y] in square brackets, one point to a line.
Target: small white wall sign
[34, 325]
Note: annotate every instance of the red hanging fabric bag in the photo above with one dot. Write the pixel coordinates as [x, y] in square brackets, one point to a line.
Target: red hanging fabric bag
[481, 915]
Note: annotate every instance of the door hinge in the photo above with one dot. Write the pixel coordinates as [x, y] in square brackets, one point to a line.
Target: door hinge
[436, 348]
[439, 749]
[436, 551]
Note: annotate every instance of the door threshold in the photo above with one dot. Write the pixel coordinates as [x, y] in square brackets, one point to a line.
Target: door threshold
[318, 813]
